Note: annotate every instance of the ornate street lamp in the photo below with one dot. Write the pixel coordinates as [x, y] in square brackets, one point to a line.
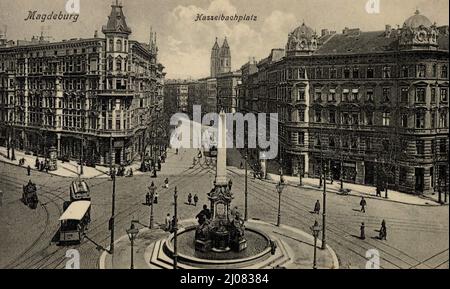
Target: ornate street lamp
[175, 230]
[300, 172]
[132, 233]
[246, 189]
[315, 230]
[279, 187]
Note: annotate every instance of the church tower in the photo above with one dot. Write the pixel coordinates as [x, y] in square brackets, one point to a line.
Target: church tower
[215, 61]
[225, 57]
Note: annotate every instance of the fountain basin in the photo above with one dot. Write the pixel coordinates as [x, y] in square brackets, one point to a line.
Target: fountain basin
[257, 251]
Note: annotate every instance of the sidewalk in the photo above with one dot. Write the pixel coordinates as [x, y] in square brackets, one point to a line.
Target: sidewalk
[356, 190]
[65, 169]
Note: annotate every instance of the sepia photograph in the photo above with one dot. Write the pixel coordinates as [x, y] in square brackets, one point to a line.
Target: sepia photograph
[224, 134]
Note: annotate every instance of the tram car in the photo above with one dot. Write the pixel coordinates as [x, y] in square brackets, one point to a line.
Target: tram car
[74, 222]
[79, 190]
[29, 195]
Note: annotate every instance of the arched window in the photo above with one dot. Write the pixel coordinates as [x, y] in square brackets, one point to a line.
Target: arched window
[119, 45]
[119, 64]
[111, 45]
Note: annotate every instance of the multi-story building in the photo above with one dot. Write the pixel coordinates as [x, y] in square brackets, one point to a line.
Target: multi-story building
[176, 96]
[227, 91]
[95, 95]
[372, 107]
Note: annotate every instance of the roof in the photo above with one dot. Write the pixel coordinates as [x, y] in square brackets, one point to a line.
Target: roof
[418, 20]
[76, 211]
[116, 21]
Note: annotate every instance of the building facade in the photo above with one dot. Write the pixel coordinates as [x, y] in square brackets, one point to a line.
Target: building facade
[227, 91]
[176, 96]
[95, 96]
[370, 107]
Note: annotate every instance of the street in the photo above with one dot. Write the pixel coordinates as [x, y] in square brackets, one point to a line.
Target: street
[417, 235]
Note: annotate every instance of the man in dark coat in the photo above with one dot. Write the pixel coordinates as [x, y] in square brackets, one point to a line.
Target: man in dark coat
[317, 207]
[363, 205]
[29, 170]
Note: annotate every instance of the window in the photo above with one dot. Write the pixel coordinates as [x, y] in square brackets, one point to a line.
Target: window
[345, 93]
[301, 138]
[420, 120]
[355, 118]
[433, 94]
[332, 96]
[369, 118]
[386, 94]
[386, 118]
[443, 119]
[333, 73]
[370, 72]
[119, 45]
[346, 72]
[318, 142]
[332, 116]
[444, 71]
[433, 120]
[301, 94]
[318, 72]
[404, 95]
[119, 64]
[318, 116]
[301, 115]
[354, 143]
[443, 146]
[355, 73]
[434, 70]
[345, 119]
[405, 71]
[386, 72]
[420, 147]
[420, 95]
[318, 96]
[111, 45]
[404, 120]
[433, 146]
[444, 94]
[403, 172]
[331, 142]
[421, 70]
[369, 95]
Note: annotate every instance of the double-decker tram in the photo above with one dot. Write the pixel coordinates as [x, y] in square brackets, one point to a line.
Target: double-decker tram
[74, 222]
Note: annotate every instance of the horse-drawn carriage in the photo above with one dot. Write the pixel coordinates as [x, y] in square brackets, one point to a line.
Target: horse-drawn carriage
[29, 195]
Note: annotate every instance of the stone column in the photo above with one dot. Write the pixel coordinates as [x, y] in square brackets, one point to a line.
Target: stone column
[221, 167]
[58, 144]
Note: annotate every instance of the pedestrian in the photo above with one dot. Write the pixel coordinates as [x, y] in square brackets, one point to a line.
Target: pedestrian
[172, 229]
[155, 198]
[190, 199]
[378, 191]
[28, 170]
[147, 199]
[195, 200]
[166, 183]
[383, 231]
[241, 166]
[317, 207]
[168, 222]
[47, 168]
[363, 231]
[176, 151]
[230, 184]
[36, 163]
[363, 205]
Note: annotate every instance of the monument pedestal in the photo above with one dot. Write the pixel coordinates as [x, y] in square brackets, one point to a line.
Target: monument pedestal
[220, 241]
[239, 246]
[203, 245]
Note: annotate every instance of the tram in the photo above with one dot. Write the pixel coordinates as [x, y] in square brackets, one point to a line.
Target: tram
[79, 190]
[74, 222]
[29, 195]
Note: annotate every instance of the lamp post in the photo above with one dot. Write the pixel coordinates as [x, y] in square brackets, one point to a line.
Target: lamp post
[111, 221]
[300, 172]
[279, 188]
[246, 189]
[325, 169]
[315, 230]
[152, 189]
[175, 230]
[132, 233]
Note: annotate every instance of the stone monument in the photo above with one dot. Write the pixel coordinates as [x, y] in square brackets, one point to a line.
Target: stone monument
[225, 229]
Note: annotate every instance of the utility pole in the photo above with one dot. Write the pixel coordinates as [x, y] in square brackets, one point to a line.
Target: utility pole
[175, 230]
[81, 156]
[113, 176]
[324, 209]
[246, 189]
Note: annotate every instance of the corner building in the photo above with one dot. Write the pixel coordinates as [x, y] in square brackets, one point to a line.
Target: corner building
[363, 104]
[98, 95]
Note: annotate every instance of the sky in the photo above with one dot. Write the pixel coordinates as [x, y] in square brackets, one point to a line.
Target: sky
[185, 45]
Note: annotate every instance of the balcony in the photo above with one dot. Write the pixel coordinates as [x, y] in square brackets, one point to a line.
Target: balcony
[116, 92]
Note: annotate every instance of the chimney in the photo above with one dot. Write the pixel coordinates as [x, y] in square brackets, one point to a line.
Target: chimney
[96, 34]
[388, 31]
